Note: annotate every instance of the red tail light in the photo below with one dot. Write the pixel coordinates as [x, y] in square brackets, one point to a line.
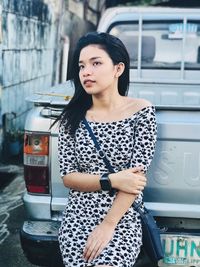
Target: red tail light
[36, 155]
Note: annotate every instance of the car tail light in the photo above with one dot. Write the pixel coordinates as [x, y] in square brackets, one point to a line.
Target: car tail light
[36, 156]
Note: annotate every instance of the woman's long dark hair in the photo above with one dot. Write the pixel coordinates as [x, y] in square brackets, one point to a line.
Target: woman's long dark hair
[76, 109]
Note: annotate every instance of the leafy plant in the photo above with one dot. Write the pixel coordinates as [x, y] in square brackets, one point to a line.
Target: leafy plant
[14, 135]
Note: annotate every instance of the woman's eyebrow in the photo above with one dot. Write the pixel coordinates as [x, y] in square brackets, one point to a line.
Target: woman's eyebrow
[91, 59]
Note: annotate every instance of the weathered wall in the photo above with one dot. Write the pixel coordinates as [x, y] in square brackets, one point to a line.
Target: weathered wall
[29, 51]
[1, 70]
[75, 25]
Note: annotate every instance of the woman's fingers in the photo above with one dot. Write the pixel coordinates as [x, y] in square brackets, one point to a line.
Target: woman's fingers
[128, 180]
[91, 252]
[97, 241]
[137, 169]
[96, 251]
[89, 248]
[137, 185]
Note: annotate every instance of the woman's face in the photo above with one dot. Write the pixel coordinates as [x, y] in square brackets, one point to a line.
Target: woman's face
[97, 72]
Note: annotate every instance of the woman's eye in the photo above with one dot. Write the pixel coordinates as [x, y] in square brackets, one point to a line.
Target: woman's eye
[97, 63]
[81, 67]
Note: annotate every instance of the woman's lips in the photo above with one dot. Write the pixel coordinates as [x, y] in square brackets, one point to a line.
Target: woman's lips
[88, 82]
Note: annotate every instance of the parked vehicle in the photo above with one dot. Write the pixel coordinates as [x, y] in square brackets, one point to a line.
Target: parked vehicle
[164, 47]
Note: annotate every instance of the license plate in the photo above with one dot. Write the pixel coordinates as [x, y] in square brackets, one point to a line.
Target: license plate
[35, 160]
[180, 250]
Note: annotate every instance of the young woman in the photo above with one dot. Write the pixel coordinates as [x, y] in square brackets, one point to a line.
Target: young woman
[98, 229]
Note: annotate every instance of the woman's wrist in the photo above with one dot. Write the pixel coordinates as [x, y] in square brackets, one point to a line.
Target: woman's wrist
[113, 180]
[111, 222]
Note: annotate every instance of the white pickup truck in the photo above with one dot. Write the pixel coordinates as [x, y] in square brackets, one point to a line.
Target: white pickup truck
[164, 47]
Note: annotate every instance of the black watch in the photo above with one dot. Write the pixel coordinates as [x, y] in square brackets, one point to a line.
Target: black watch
[105, 182]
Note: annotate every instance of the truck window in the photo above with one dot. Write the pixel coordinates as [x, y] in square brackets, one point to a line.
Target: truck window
[164, 45]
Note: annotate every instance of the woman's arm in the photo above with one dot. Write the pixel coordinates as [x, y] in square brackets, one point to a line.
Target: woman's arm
[103, 233]
[82, 181]
[121, 204]
[72, 178]
[128, 181]
[144, 146]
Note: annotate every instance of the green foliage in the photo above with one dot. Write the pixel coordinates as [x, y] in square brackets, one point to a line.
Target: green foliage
[143, 2]
[14, 135]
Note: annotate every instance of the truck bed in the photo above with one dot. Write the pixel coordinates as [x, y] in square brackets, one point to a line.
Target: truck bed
[173, 178]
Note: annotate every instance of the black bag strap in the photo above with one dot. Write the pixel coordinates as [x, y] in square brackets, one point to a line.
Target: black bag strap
[101, 153]
[138, 207]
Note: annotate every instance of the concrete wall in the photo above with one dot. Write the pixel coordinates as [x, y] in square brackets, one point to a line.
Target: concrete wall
[0, 58]
[29, 52]
[74, 27]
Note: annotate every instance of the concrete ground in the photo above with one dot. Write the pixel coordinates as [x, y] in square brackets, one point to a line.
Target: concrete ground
[12, 216]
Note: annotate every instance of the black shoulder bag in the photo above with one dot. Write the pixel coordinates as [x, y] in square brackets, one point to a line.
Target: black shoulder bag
[150, 231]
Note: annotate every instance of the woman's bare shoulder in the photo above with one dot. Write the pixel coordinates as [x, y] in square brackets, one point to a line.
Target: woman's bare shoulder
[137, 104]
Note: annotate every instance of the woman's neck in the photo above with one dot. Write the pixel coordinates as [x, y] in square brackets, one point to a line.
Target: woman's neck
[106, 102]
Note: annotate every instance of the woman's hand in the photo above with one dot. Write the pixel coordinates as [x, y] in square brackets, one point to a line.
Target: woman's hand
[98, 240]
[130, 181]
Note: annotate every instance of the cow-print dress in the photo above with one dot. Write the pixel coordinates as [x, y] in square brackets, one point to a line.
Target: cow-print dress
[131, 140]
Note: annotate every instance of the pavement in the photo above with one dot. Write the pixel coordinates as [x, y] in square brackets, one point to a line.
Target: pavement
[12, 215]
[7, 173]
[10, 166]
[9, 169]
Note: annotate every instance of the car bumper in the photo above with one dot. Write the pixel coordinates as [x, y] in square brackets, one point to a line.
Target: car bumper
[39, 241]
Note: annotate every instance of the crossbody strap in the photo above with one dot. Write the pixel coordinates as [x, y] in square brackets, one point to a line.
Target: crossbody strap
[106, 161]
[102, 155]
[100, 152]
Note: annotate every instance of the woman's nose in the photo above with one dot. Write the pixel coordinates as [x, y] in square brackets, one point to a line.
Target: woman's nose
[87, 71]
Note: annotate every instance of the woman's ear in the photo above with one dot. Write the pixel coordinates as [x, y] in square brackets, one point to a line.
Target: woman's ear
[119, 69]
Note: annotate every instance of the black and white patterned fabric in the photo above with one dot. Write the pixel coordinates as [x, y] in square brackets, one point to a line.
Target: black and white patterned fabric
[128, 140]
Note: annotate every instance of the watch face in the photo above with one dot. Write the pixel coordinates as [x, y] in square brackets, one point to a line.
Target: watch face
[105, 182]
